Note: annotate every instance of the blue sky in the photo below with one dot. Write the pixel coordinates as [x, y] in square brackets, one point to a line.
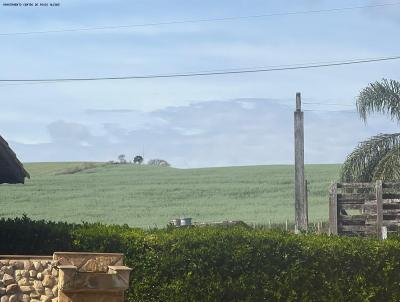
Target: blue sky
[192, 122]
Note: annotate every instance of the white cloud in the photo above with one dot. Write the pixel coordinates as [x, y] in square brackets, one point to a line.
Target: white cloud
[158, 113]
[215, 133]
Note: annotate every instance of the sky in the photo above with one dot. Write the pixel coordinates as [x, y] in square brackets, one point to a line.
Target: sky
[229, 120]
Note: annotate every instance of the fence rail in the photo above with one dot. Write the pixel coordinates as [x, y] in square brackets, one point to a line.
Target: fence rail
[364, 209]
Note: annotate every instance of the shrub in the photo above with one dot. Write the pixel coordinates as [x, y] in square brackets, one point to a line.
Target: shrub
[24, 236]
[225, 264]
[158, 162]
[138, 159]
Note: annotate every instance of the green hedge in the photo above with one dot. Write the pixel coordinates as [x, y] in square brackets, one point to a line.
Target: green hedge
[26, 237]
[225, 264]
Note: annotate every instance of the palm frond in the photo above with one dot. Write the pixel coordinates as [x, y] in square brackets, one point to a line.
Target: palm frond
[381, 97]
[388, 169]
[361, 165]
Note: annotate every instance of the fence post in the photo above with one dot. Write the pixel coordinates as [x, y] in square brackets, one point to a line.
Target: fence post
[333, 209]
[379, 208]
[306, 201]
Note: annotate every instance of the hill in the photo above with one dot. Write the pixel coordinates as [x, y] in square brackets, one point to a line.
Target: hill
[146, 196]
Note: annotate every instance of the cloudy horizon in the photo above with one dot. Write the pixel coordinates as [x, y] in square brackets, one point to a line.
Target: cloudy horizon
[191, 122]
[207, 134]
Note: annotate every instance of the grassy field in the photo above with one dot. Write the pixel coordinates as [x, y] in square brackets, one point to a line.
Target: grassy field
[150, 196]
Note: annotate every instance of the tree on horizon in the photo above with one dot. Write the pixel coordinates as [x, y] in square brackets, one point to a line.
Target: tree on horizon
[138, 159]
[122, 159]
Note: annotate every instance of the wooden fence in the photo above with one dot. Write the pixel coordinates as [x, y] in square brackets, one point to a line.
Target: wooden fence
[364, 209]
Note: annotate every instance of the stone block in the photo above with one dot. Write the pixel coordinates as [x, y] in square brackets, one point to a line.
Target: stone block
[26, 289]
[7, 270]
[38, 266]
[35, 295]
[28, 265]
[13, 298]
[48, 281]
[12, 289]
[4, 299]
[24, 282]
[44, 298]
[38, 286]
[89, 262]
[8, 279]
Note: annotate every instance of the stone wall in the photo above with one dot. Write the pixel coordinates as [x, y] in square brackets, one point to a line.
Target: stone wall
[65, 277]
[28, 279]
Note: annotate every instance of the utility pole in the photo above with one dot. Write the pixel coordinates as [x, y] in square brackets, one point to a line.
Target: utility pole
[301, 208]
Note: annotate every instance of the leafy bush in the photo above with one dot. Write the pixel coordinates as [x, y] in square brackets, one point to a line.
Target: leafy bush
[24, 236]
[158, 162]
[225, 264]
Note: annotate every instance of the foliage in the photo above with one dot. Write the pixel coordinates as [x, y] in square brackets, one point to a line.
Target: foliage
[138, 159]
[143, 196]
[388, 166]
[379, 156]
[227, 264]
[27, 237]
[382, 97]
[369, 161]
[122, 159]
[158, 162]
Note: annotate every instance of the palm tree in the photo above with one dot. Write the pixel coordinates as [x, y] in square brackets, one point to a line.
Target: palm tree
[379, 156]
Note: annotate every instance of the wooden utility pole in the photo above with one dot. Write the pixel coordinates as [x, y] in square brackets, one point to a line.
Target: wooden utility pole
[301, 215]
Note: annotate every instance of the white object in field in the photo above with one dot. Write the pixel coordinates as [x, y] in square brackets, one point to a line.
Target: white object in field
[296, 230]
[186, 221]
[384, 232]
[176, 222]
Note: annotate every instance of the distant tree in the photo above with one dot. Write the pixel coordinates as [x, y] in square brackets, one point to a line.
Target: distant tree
[138, 159]
[122, 159]
[158, 162]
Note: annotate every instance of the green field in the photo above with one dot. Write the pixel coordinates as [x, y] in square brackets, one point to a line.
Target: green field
[146, 196]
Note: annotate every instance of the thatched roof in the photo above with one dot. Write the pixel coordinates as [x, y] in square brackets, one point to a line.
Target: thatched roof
[11, 169]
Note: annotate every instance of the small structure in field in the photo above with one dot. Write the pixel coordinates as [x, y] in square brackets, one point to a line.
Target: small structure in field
[185, 222]
[181, 222]
[11, 169]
